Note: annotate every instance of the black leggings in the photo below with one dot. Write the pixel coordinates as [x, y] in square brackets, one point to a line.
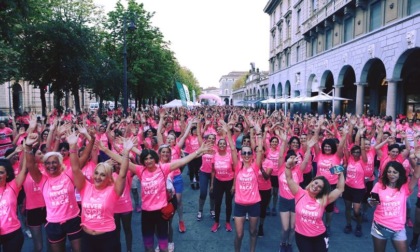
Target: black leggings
[125, 219]
[193, 168]
[265, 200]
[12, 242]
[220, 188]
[312, 244]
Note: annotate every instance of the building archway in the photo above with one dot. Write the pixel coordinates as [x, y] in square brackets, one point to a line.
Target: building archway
[287, 91]
[346, 80]
[312, 90]
[327, 83]
[17, 101]
[374, 75]
[226, 100]
[407, 69]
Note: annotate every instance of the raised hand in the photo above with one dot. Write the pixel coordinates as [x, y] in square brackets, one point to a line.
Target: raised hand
[31, 139]
[128, 143]
[82, 130]
[72, 137]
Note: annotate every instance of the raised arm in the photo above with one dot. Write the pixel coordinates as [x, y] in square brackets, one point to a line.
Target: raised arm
[79, 178]
[20, 178]
[29, 156]
[205, 148]
[293, 186]
[122, 175]
[115, 156]
[334, 194]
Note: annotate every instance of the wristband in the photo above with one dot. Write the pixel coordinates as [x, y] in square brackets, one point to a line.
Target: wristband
[73, 151]
[29, 151]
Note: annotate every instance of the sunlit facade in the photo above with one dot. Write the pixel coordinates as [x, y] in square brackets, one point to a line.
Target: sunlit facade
[364, 50]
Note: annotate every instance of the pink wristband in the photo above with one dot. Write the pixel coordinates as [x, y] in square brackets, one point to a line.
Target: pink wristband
[73, 150]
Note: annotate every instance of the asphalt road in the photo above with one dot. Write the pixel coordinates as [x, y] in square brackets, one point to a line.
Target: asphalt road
[199, 237]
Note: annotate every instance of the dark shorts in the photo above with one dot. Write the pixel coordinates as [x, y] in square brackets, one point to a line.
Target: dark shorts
[418, 203]
[353, 195]
[36, 217]
[252, 210]
[286, 205]
[274, 181]
[369, 187]
[57, 232]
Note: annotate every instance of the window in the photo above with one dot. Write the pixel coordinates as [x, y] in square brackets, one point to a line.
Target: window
[297, 54]
[273, 40]
[272, 62]
[289, 29]
[348, 29]
[313, 46]
[328, 39]
[273, 18]
[298, 20]
[314, 5]
[288, 58]
[226, 91]
[375, 20]
[413, 6]
[280, 35]
[279, 61]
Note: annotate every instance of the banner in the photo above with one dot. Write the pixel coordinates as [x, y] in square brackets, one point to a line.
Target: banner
[187, 92]
[181, 92]
[193, 96]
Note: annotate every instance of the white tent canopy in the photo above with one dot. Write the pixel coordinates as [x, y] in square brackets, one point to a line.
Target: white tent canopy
[321, 97]
[178, 103]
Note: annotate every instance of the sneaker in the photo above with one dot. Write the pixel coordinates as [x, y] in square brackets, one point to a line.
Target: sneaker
[228, 227]
[157, 249]
[260, 231]
[182, 228]
[199, 216]
[171, 247]
[409, 223]
[348, 229]
[358, 232]
[215, 227]
[412, 246]
[28, 233]
[138, 209]
[273, 212]
[336, 210]
[212, 214]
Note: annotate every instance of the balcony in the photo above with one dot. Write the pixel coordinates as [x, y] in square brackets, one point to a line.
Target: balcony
[323, 13]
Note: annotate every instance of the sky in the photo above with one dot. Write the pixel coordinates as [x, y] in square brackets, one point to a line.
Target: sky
[211, 38]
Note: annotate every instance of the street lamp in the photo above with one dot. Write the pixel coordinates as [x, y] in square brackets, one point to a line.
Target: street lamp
[131, 27]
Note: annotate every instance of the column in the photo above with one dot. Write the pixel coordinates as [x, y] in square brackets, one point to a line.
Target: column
[360, 95]
[337, 104]
[391, 105]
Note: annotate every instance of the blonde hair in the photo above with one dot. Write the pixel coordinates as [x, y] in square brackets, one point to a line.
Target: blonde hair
[108, 169]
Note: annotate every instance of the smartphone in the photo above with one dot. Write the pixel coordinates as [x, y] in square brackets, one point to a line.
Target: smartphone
[375, 196]
[336, 169]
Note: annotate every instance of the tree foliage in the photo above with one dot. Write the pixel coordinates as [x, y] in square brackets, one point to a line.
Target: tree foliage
[240, 82]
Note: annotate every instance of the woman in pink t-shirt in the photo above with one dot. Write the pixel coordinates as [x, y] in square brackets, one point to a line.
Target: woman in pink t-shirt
[11, 236]
[393, 190]
[57, 187]
[222, 178]
[247, 196]
[152, 178]
[205, 175]
[310, 203]
[99, 198]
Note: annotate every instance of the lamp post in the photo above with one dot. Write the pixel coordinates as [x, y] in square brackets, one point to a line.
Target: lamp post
[125, 92]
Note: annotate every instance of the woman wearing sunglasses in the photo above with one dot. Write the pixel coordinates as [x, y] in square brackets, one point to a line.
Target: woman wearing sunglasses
[247, 197]
[222, 177]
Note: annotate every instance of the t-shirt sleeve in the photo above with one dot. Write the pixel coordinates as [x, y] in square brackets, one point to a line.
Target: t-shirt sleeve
[139, 171]
[14, 186]
[166, 169]
[299, 194]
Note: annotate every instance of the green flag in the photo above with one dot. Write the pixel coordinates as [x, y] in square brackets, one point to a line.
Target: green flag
[181, 92]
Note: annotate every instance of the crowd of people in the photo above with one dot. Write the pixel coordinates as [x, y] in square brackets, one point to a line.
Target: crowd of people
[79, 172]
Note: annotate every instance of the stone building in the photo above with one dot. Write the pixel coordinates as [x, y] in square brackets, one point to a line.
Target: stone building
[226, 82]
[364, 50]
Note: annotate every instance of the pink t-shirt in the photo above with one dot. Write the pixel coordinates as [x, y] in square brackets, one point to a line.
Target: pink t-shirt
[386, 159]
[223, 167]
[273, 156]
[324, 163]
[98, 207]
[124, 203]
[34, 198]
[175, 155]
[191, 144]
[391, 213]
[370, 165]
[9, 221]
[262, 183]
[246, 184]
[284, 190]
[59, 197]
[153, 186]
[88, 170]
[206, 164]
[5, 135]
[309, 212]
[355, 176]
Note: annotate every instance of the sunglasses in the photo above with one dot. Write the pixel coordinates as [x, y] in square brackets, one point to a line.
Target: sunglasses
[246, 153]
